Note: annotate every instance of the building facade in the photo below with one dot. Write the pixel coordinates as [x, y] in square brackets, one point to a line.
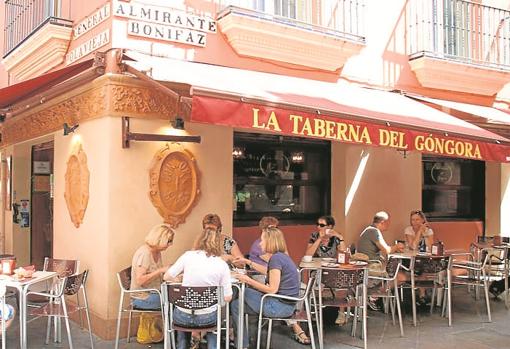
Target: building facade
[302, 107]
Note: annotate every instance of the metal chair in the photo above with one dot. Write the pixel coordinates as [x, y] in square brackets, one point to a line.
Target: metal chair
[124, 278]
[58, 308]
[476, 276]
[63, 268]
[2, 305]
[353, 284]
[389, 289]
[498, 267]
[298, 315]
[192, 299]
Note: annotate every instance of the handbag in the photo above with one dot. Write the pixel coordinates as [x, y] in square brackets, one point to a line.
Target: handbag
[150, 329]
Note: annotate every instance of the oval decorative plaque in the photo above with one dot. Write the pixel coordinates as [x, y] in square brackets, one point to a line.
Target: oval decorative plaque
[174, 182]
[77, 185]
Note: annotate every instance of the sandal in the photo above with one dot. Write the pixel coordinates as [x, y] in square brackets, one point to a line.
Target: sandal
[301, 338]
[195, 342]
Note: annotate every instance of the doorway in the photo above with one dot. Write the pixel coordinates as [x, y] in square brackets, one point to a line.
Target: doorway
[41, 233]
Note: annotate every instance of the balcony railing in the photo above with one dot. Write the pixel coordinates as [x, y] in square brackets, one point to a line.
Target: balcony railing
[459, 30]
[25, 17]
[337, 17]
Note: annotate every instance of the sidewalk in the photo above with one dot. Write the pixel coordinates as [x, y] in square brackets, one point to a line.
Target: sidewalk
[469, 331]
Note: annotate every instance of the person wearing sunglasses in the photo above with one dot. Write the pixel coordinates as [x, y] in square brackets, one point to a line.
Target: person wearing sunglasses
[326, 243]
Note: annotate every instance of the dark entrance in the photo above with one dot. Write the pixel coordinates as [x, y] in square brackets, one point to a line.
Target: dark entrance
[41, 241]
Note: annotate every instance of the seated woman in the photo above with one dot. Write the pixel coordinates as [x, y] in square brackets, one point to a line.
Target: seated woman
[230, 248]
[207, 252]
[419, 236]
[326, 243]
[282, 276]
[259, 259]
[147, 267]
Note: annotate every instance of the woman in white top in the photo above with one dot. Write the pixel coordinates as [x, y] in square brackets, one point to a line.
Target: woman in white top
[419, 236]
[201, 267]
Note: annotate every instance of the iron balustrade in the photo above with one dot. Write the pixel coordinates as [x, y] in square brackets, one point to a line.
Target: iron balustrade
[25, 17]
[459, 30]
[344, 18]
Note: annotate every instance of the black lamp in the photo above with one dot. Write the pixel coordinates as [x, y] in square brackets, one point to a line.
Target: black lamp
[69, 129]
[178, 123]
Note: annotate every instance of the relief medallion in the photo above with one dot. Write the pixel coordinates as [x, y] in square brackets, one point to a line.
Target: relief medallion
[77, 185]
[174, 184]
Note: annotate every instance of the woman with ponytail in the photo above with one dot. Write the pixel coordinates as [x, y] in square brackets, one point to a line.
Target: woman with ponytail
[207, 251]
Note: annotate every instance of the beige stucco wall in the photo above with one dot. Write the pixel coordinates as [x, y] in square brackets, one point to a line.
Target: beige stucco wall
[493, 196]
[119, 213]
[366, 180]
[131, 216]
[89, 242]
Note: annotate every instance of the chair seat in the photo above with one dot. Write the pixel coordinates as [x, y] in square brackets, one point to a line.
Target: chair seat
[339, 302]
[53, 309]
[207, 328]
[465, 280]
[34, 298]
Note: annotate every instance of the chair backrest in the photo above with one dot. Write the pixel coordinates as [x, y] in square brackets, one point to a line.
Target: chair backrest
[192, 298]
[74, 282]
[342, 278]
[430, 265]
[63, 267]
[392, 267]
[124, 277]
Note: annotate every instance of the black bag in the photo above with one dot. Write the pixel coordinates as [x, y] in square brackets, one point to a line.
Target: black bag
[498, 287]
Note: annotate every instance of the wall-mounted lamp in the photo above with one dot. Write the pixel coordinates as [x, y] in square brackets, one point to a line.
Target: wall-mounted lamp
[238, 153]
[297, 157]
[403, 152]
[178, 123]
[69, 129]
[128, 136]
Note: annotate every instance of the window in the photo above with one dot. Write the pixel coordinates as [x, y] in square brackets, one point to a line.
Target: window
[453, 188]
[285, 177]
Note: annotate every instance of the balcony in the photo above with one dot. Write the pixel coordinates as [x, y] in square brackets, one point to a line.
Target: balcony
[320, 34]
[35, 37]
[452, 44]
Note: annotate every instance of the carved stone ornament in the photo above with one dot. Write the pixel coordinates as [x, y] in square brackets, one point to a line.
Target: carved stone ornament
[77, 185]
[174, 184]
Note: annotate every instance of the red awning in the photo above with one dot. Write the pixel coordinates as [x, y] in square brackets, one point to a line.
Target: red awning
[11, 94]
[333, 111]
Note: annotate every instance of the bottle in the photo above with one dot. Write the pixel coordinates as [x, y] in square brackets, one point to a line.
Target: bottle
[437, 248]
[344, 256]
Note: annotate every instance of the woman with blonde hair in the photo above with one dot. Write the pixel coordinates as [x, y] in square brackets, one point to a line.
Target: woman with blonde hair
[147, 267]
[282, 278]
[207, 252]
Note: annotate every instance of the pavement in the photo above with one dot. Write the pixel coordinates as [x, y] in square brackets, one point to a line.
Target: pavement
[470, 330]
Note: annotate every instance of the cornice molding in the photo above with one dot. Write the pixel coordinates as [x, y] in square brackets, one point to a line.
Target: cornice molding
[445, 74]
[45, 49]
[255, 37]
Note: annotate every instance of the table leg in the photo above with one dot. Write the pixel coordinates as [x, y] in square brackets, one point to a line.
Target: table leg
[240, 319]
[23, 317]
[413, 297]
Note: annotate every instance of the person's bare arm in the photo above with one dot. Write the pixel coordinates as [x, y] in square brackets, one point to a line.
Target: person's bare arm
[143, 277]
[272, 287]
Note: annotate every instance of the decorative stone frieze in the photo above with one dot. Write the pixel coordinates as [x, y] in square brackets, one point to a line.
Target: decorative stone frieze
[174, 184]
[108, 95]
